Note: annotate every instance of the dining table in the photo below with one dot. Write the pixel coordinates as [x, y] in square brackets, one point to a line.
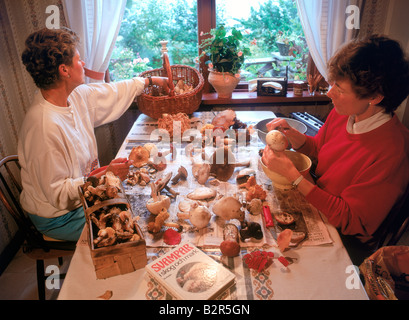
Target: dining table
[317, 268]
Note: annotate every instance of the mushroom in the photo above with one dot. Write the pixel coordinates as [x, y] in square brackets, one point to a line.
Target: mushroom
[152, 148]
[244, 175]
[199, 215]
[139, 155]
[158, 201]
[106, 237]
[255, 206]
[252, 230]
[162, 183]
[200, 168]
[156, 226]
[182, 174]
[276, 140]
[223, 163]
[202, 193]
[224, 119]
[228, 208]
[230, 247]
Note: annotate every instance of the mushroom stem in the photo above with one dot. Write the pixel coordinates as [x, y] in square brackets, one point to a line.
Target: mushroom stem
[154, 193]
[182, 174]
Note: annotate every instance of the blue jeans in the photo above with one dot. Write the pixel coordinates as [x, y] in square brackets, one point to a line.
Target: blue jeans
[66, 227]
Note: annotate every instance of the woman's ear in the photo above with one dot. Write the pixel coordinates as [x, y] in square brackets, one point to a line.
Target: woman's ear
[377, 99]
[63, 69]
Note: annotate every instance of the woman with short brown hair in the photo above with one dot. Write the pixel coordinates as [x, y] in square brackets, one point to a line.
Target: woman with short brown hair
[57, 147]
[362, 151]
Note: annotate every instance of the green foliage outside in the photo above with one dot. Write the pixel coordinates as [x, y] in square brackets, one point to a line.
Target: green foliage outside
[147, 22]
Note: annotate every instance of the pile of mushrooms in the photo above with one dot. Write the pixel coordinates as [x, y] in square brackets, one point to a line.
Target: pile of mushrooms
[115, 225]
[97, 190]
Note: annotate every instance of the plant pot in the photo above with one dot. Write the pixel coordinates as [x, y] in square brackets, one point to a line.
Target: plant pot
[223, 82]
[283, 48]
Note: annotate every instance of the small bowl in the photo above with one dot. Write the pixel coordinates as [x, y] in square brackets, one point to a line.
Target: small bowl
[301, 162]
[262, 127]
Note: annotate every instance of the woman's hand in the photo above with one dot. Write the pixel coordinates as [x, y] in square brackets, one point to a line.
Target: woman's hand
[279, 163]
[162, 82]
[120, 167]
[296, 138]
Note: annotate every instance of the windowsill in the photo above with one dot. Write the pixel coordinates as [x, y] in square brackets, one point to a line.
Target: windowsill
[244, 97]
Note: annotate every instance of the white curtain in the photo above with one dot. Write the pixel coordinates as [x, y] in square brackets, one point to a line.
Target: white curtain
[97, 23]
[324, 25]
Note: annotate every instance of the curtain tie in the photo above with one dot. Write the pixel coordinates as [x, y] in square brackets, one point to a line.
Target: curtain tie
[94, 74]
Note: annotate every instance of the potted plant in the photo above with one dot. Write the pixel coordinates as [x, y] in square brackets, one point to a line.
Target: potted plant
[283, 41]
[225, 57]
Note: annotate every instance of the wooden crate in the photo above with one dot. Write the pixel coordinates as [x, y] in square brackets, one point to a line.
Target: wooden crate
[120, 258]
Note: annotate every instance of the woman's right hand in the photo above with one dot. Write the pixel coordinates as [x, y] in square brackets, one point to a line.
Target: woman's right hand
[162, 82]
[296, 138]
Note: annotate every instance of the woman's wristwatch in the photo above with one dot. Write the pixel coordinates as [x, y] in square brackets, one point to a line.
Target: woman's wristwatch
[297, 181]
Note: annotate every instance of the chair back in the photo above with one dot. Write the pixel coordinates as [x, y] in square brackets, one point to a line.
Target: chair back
[10, 189]
[396, 223]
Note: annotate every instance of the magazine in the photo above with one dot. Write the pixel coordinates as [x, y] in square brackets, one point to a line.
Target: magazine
[187, 273]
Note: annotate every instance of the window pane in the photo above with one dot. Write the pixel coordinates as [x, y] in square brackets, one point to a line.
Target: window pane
[144, 25]
[267, 23]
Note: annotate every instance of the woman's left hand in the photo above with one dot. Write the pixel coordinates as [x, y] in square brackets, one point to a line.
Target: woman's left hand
[279, 163]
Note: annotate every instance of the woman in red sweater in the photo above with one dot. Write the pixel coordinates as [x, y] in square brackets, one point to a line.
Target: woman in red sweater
[362, 151]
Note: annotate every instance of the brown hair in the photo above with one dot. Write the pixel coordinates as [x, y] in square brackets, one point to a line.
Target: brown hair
[375, 65]
[45, 51]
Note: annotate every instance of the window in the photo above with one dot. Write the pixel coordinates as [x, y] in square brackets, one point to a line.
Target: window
[180, 22]
[145, 24]
[277, 30]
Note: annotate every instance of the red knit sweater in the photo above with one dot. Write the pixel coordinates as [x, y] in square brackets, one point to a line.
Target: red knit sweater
[360, 176]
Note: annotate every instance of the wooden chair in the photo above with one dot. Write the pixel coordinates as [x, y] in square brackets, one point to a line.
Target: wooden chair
[35, 245]
[396, 223]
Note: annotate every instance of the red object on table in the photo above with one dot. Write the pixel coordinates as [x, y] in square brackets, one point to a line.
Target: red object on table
[258, 260]
[284, 261]
[268, 218]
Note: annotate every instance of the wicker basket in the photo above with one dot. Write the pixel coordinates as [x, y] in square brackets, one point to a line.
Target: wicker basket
[155, 106]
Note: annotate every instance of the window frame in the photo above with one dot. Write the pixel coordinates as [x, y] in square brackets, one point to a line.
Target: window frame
[206, 20]
[206, 16]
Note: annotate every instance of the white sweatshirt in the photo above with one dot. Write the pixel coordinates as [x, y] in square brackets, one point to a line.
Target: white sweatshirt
[57, 145]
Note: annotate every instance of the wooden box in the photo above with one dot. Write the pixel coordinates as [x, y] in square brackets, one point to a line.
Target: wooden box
[120, 258]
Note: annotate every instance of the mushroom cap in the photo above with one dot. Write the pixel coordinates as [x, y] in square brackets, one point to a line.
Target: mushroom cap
[230, 248]
[222, 163]
[162, 182]
[276, 140]
[228, 208]
[224, 119]
[155, 207]
[199, 216]
[140, 155]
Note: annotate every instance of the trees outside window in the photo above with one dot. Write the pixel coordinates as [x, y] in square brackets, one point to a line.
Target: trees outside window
[264, 22]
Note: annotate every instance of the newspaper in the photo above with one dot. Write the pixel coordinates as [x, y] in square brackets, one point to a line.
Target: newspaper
[309, 218]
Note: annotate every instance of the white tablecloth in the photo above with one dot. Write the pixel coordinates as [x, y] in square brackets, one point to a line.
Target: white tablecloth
[317, 272]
